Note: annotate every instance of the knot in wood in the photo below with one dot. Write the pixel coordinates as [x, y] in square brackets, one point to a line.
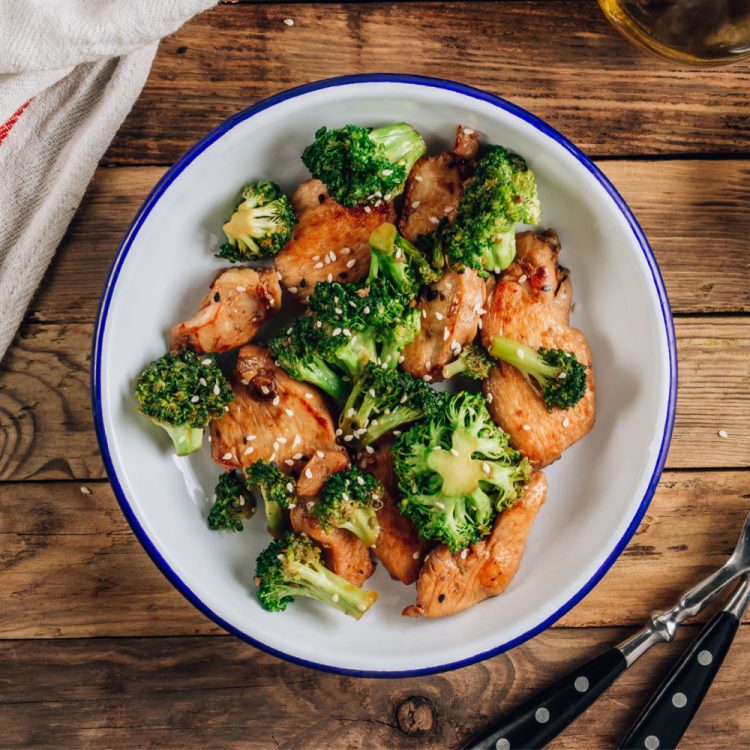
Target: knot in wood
[416, 716]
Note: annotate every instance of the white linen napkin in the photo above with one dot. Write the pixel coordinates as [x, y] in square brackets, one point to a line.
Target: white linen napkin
[80, 65]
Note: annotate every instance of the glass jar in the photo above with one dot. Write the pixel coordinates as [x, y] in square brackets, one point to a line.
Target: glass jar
[696, 32]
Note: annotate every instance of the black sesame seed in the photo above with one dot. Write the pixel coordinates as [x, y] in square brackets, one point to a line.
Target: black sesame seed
[182, 50]
[343, 274]
[303, 283]
[217, 297]
[441, 598]
[431, 294]
[442, 296]
[321, 198]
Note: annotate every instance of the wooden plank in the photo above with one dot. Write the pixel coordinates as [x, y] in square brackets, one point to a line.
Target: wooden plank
[72, 568]
[666, 197]
[588, 82]
[46, 430]
[218, 692]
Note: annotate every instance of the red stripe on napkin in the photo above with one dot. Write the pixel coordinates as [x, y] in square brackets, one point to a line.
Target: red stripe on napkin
[5, 129]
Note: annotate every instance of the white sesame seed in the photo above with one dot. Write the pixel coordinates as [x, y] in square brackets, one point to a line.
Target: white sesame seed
[468, 131]
[566, 422]
[424, 313]
[293, 289]
[289, 486]
[369, 449]
[203, 382]
[446, 333]
[386, 172]
[489, 397]
[434, 219]
[264, 390]
[362, 607]
[248, 450]
[279, 276]
[206, 361]
[479, 324]
[526, 427]
[723, 434]
[335, 598]
[329, 278]
[486, 468]
[195, 399]
[316, 257]
[440, 506]
[427, 378]
[348, 438]
[399, 254]
[346, 332]
[280, 557]
[272, 457]
[366, 310]
[439, 315]
[455, 452]
[240, 289]
[522, 278]
[415, 555]
[345, 250]
[85, 490]
[296, 442]
[242, 501]
[288, 462]
[275, 401]
[250, 438]
[226, 457]
[297, 456]
[368, 210]
[415, 204]
[275, 445]
[464, 554]
[351, 263]
[562, 375]
[288, 22]
[336, 331]
[308, 473]
[338, 432]
[289, 412]
[318, 324]
[320, 454]
[282, 440]
[418, 178]
[387, 196]
[318, 265]
[360, 481]
[309, 505]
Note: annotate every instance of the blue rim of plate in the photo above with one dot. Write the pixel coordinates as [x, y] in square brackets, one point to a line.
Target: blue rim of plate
[154, 197]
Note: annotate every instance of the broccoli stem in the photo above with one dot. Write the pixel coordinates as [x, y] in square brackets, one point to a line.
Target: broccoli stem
[454, 368]
[364, 525]
[401, 142]
[319, 583]
[525, 359]
[326, 379]
[275, 521]
[186, 439]
[502, 254]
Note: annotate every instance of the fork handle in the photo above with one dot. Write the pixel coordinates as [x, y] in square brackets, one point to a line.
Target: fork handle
[668, 714]
[534, 723]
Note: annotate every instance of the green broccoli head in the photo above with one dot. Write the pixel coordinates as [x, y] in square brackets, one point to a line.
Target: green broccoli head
[502, 193]
[296, 351]
[350, 500]
[473, 362]
[382, 400]
[276, 489]
[233, 501]
[181, 393]
[261, 224]
[393, 341]
[556, 375]
[456, 471]
[395, 260]
[291, 566]
[364, 165]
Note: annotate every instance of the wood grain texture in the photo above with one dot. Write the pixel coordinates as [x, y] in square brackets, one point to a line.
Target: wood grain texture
[667, 197]
[561, 60]
[217, 692]
[46, 430]
[70, 566]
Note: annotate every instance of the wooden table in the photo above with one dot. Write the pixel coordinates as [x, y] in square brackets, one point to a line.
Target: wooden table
[99, 650]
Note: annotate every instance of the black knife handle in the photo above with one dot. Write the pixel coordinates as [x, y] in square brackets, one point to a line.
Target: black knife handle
[534, 723]
[668, 714]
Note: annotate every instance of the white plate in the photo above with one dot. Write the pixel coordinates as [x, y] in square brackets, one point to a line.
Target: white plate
[598, 492]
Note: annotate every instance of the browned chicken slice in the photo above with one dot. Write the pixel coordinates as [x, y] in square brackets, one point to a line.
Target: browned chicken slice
[272, 418]
[240, 300]
[435, 185]
[449, 583]
[531, 304]
[330, 242]
[399, 547]
[451, 309]
[344, 554]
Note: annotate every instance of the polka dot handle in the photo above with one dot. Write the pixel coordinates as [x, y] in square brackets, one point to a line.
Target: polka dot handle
[541, 718]
[668, 714]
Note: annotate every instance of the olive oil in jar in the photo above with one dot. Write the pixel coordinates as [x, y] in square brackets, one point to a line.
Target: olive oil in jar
[697, 32]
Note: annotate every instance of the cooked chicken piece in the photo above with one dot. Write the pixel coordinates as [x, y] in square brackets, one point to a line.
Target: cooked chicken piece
[240, 300]
[451, 309]
[449, 583]
[344, 554]
[399, 547]
[531, 304]
[329, 243]
[272, 418]
[435, 185]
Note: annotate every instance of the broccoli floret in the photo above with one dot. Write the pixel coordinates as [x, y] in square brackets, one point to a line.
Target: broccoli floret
[292, 566]
[383, 400]
[358, 324]
[233, 501]
[397, 261]
[556, 375]
[296, 352]
[431, 245]
[456, 471]
[181, 393]
[473, 362]
[363, 165]
[277, 491]
[261, 224]
[349, 500]
[502, 192]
